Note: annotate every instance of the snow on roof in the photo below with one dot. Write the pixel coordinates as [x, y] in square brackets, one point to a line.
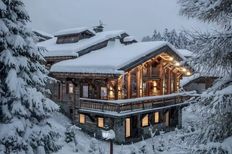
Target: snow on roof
[185, 52]
[72, 49]
[43, 33]
[111, 58]
[129, 39]
[71, 31]
[185, 80]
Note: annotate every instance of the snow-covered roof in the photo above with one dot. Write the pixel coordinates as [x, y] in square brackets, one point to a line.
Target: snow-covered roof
[43, 33]
[71, 31]
[72, 49]
[185, 52]
[129, 39]
[186, 80]
[111, 58]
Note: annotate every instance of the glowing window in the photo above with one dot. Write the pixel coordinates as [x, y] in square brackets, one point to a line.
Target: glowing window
[145, 121]
[156, 117]
[100, 122]
[82, 118]
[128, 127]
[70, 88]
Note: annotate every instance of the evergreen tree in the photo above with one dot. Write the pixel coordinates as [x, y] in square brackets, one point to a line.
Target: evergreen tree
[156, 36]
[181, 40]
[213, 54]
[25, 126]
[146, 39]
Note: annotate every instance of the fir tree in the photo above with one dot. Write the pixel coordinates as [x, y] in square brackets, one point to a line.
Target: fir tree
[214, 54]
[156, 36]
[25, 126]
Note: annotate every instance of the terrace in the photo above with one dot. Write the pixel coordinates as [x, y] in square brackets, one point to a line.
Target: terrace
[128, 106]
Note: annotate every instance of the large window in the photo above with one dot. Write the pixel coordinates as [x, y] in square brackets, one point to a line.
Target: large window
[111, 86]
[85, 91]
[100, 122]
[133, 84]
[82, 118]
[103, 93]
[145, 121]
[128, 127]
[156, 117]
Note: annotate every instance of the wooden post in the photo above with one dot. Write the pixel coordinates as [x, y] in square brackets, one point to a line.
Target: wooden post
[116, 90]
[129, 85]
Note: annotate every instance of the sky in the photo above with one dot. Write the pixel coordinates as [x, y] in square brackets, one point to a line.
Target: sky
[138, 17]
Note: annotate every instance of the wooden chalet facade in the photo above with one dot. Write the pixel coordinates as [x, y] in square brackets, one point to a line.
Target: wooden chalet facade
[139, 90]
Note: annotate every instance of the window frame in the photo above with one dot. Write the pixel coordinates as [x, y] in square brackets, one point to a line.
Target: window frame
[129, 124]
[155, 117]
[84, 116]
[103, 122]
[142, 120]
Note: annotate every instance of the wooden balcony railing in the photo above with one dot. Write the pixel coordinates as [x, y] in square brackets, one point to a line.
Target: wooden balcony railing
[135, 104]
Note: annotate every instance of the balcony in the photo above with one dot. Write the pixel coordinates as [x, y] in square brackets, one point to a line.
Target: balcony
[141, 104]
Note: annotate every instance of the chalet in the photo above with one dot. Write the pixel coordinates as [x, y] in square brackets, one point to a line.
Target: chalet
[75, 42]
[127, 87]
[199, 81]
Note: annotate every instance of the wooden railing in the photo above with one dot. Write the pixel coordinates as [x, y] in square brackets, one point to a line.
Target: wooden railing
[136, 104]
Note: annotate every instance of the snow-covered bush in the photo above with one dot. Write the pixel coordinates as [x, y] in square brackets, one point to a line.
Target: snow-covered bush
[71, 136]
[93, 146]
[134, 149]
[144, 149]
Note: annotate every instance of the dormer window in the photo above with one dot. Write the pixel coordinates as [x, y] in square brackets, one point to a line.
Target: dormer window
[73, 37]
[68, 39]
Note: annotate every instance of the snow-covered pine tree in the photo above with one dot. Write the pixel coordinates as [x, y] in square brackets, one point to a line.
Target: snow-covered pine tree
[156, 36]
[181, 40]
[146, 39]
[213, 54]
[25, 126]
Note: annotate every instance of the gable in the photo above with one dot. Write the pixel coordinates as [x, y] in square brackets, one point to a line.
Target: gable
[165, 49]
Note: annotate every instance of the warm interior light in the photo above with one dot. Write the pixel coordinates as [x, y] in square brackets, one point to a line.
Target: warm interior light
[100, 122]
[145, 120]
[188, 73]
[184, 69]
[177, 64]
[171, 58]
[128, 127]
[82, 118]
[156, 117]
[154, 83]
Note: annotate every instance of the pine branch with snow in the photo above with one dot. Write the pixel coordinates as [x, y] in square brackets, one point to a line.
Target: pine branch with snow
[214, 54]
[24, 108]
